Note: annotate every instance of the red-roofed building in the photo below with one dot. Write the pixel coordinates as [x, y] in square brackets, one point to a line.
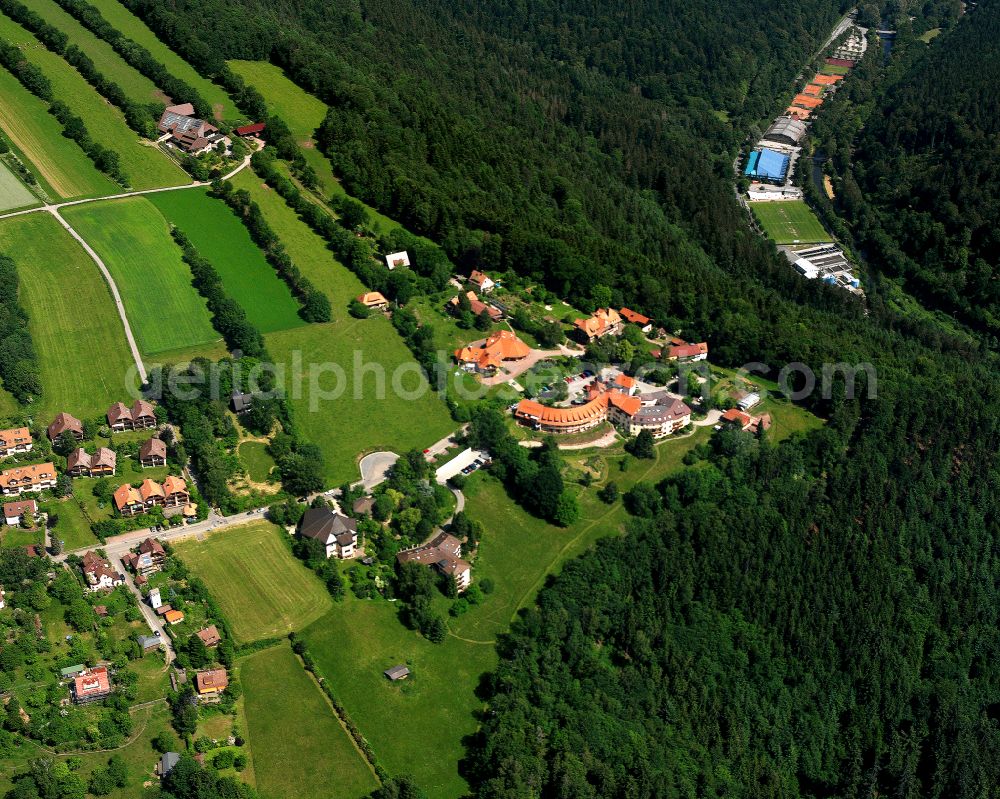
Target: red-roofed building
[253, 130]
[602, 322]
[636, 318]
[91, 686]
[487, 356]
[14, 440]
[688, 352]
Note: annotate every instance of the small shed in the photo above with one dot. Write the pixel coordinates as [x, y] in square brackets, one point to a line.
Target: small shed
[396, 673]
[73, 671]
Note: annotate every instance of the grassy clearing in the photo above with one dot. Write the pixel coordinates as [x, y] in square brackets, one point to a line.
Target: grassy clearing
[61, 166]
[328, 765]
[72, 527]
[833, 69]
[929, 36]
[347, 415]
[220, 237]
[13, 193]
[133, 239]
[260, 586]
[82, 352]
[302, 112]
[135, 29]
[18, 537]
[108, 62]
[144, 163]
[255, 458]
[791, 222]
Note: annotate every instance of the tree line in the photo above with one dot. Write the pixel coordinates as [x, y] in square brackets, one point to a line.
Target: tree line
[18, 360]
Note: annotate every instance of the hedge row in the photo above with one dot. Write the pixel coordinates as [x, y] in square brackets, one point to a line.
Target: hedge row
[34, 80]
[315, 305]
[18, 364]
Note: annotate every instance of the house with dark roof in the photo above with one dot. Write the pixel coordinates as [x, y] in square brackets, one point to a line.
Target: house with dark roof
[81, 463]
[210, 636]
[64, 423]
[337, 533]
[153, 452]
[147, 558]
[167, 763]
[240, 403]
[444, 553]
[185, 131]
[396, 673]
[14, 512]
[140, 416]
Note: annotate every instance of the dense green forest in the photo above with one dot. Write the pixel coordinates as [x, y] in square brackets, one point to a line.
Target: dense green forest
[817, 618]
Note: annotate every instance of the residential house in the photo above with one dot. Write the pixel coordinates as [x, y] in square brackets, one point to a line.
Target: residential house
[150, 642]
[14, 512]
[250, 131]
[688, 352]
[744, 421]
[240, 402]
[657, 412]
[128, 500]
[173, 617]
[65, 423]
[15, 440]
[373, 301]
[483, 283]
[24, 479]
[476, 306]
[625, 384]
[337, 533]
[91, 686]
[147, 558]
[153, 452]
[99, 573]
[397, 260]
[444, 553]
[140, 416]
[188, 133]
[102, 463]
[212, 681]
[175, 493]
[602, 322]
[488, 356]
[151, 494]
[210, 636]
[644, 323]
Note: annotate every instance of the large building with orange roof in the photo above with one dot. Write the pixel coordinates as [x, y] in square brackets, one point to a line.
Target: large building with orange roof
[487, 356]
[602, 322]
[658, 412]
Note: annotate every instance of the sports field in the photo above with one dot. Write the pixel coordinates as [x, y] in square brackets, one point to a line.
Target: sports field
[82, 352]
[833, 69]
[62, 167]
[144, 164]
[135, 29]
[13, 193]
[220, 237]
[260, 586]
[361, 417]
[138, 87]
[300, 728]
[791, 222]
[133, 239]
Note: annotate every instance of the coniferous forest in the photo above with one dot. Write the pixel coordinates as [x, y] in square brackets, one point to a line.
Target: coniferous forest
[817, 618]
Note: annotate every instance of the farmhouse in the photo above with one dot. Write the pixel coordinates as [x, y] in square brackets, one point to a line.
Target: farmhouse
[337, 533]
[186, 132]
[139, 417]
[250, 131]
[14, 440]
[483, 283]
[153, 452]
[444, 553]
[396, 260]
[688, 352]
[102, 463]
[99, 573]
[210, 636]
[488, 355]
[602, 322]
[212, 681]
[147, 558]
[28, 478]
[65, 423]
[91, 686]
[15, 512]
[373, 300]
[644, 323]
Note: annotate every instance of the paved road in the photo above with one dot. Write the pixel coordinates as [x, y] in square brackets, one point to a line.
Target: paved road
[155, 622]
[375, 468]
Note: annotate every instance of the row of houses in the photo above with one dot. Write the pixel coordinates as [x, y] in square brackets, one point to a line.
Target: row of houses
[131, 501]
[121, 417]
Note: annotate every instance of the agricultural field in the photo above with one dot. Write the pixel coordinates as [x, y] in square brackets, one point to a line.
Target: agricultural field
[415, 726]
[261, 587]
[83, 356]
[791, 222]
[135, 29]
[60, 165]
[220, 237]
[347, 417]
[328, 765]
[13, 193]
[144, 164]
[133, 239]
[138, 87]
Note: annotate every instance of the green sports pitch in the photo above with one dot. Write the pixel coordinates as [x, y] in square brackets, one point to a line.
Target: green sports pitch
[789, 222]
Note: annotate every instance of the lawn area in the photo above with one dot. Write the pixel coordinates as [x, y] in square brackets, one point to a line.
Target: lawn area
[833, 69]
[328, 764]
[349, 415]
[791, 222]
[301, 111]
[72, 527]
[260, 586]
[138, 87]
[129, 471]
[133, 27]
[219, 236]
[60, 165]
[255, 458]
[13, 193]
[415, 726]
[18, 537]
[132, 237]
[144, 164]
[306, 249]
[82, 353]
[928, 36]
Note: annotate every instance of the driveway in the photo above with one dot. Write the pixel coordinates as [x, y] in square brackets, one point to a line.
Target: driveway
[513, 369]
[154, 621]
[375, 468]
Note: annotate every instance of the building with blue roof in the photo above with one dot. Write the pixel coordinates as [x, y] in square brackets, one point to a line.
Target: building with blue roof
[768, 165]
